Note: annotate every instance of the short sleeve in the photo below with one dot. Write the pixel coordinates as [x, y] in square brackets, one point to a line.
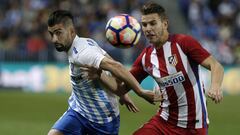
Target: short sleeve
[92, 55]
[96, 44]
[192, 48]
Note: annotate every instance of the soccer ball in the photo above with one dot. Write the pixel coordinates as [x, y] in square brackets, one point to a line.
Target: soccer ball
[123, 31]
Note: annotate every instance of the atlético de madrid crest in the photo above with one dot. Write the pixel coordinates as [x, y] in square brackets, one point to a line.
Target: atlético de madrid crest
[173, 60]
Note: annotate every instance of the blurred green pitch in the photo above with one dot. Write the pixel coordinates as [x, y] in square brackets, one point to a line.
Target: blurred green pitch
[34, 114]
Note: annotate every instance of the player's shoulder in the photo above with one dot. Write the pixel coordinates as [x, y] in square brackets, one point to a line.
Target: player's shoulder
[79, 46]
[86, 44]
[87, 41]
[180, 37]
[183, 40]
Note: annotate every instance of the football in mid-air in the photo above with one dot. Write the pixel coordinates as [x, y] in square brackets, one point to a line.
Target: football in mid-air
[123, 31]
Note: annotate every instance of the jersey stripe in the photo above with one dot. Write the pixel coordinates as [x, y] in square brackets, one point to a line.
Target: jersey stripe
[156, 74]
[108, 105]
[188, 88]
[203, 101]
[151, 60]
[200, 93]
[85, 109]
[148, 63]
[179, 89]
[89, 103]
[98, 110]
[173, 108]
[155, 67]
[143, 62]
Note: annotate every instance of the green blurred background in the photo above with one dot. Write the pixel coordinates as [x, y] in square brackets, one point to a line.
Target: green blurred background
[34, 114]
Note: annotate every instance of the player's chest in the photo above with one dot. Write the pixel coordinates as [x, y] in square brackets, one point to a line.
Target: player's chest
[159, 66]
[166, 69]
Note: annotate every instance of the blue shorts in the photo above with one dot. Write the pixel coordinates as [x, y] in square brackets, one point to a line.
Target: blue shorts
[73, 123]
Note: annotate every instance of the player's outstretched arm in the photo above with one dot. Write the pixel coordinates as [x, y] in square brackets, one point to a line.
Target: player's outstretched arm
[116, 84]
[118, 70]
[217, 73]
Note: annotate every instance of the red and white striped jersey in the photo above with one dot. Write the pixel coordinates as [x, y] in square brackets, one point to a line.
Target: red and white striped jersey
[175, 67]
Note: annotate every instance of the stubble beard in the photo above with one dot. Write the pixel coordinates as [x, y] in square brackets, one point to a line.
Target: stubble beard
[62, 48]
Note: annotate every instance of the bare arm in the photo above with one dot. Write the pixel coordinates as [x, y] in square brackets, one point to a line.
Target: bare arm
[121, 81]
[217, 73]
[112, 83]
[121, 73]
[116, 86]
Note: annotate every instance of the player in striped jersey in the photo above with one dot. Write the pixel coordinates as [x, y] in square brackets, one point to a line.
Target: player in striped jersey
[173, 60]
[93, 110]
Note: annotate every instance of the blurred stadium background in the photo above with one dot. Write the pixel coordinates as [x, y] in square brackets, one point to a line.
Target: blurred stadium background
[34, 81]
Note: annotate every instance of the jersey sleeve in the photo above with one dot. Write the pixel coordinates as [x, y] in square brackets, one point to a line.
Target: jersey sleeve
[96, 44]
[137, 69]
[193, 49]
[92, 55]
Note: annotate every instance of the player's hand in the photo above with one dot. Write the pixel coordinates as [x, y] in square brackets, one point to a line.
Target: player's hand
[125, 99]
[152, 96]
[158, 96]
[90, 73]
[215, 94]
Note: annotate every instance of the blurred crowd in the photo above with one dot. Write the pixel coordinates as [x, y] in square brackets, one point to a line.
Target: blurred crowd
[216, 24]
[23, 29]
[24, 36]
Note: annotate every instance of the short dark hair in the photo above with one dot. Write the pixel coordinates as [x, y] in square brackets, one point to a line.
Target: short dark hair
[152, 7]
[59, 16]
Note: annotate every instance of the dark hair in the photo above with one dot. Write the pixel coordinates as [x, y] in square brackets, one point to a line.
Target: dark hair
[151, 7]
[59, 16]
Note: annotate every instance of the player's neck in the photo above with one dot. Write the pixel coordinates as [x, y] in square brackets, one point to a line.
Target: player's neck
[70, 45]
[162, 41]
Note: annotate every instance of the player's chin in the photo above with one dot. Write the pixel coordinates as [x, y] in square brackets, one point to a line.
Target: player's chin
[60, 49]
[151, 39]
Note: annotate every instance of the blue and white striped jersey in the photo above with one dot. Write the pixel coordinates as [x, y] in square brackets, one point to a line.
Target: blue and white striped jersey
[88, 97]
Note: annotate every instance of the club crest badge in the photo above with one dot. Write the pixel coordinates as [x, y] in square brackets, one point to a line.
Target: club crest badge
[173, 60]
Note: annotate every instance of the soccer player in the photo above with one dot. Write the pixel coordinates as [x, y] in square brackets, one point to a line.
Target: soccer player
[173, 60]
[93, 110]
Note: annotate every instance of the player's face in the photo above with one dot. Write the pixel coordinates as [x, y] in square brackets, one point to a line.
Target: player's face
[61, 37]
[154, 28]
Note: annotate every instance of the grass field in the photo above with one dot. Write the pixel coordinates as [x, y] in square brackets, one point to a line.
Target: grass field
[34, 114]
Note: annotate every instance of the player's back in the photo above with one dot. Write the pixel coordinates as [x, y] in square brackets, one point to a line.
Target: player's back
[89, 97]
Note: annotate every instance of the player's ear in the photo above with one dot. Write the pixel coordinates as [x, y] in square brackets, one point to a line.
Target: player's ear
[72, 31]
[165, 23]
